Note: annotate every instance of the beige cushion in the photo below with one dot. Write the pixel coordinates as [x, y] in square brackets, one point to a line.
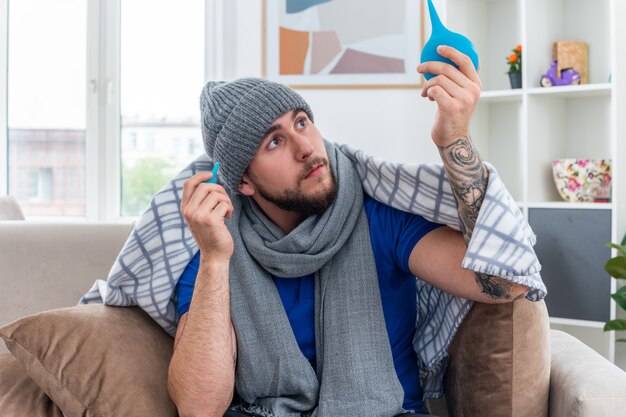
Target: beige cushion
[10, 209]
[500, 362]
[96, 361]
[19, 395]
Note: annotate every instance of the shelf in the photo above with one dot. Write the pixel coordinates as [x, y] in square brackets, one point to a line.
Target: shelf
[574, 91]
[574, 322]
[494, 27]
[570, 206]
[495, 131]
[521, 131]
[576, 127]
[576, 20]
[494, 96]
[570, 91]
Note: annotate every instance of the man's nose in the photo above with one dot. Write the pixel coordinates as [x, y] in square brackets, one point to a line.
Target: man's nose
[303, 147]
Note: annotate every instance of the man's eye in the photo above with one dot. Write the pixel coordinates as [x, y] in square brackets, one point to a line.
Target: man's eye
[301, 123]
[272, 141]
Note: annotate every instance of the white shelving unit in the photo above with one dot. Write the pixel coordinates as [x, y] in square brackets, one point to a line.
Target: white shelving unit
[521, 131]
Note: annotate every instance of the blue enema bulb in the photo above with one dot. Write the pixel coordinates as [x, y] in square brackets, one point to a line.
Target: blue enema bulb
[443, 36]
[213, 179]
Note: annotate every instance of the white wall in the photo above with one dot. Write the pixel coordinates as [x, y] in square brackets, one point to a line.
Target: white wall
[392, 124]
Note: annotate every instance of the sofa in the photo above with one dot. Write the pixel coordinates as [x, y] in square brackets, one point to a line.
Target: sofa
[63, 359]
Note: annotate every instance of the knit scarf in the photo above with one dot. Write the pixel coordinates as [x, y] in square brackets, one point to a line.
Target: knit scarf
[354, 359]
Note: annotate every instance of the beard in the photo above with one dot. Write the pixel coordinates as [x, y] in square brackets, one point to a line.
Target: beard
[294, 200]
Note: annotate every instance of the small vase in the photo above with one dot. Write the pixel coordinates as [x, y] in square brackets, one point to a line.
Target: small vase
[516, 79]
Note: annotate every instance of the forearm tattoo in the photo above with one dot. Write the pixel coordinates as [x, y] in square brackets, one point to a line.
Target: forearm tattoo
[468, 177]
[494, 287]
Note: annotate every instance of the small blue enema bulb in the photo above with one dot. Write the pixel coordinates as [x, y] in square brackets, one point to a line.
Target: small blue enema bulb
[442, 36]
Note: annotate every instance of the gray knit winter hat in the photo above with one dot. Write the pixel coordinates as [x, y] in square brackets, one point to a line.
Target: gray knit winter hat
[235, 115]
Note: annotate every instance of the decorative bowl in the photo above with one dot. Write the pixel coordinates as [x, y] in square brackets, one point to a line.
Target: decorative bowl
[583, 180]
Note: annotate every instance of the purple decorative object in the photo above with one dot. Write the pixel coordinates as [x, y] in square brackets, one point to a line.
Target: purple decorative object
[569, 76]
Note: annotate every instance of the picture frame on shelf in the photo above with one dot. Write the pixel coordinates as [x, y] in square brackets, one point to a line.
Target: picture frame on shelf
[343, 44]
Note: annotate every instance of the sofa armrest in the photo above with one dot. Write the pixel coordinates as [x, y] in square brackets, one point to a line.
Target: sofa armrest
[582, 382]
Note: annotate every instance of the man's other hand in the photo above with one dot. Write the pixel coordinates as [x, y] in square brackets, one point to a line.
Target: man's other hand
[205, 207]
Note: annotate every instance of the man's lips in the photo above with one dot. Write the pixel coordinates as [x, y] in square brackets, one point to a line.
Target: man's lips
[317, 169]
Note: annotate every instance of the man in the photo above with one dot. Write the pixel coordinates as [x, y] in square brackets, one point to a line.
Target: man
[299, 232]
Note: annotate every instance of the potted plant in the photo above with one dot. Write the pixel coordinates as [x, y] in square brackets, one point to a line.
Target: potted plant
[616, 267]
[515, 67]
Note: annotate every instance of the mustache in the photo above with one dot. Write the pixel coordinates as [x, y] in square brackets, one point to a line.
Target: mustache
[309, 166]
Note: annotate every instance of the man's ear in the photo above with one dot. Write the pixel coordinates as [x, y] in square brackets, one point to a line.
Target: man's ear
[245, 186]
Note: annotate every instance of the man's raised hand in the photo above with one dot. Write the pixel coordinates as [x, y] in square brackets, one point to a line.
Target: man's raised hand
[456, 92]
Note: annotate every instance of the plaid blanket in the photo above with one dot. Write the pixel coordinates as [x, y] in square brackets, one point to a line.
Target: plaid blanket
[160, 246]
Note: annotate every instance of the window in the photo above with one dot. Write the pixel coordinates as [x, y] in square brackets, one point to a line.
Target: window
[40, 186]
[195, 147]
[101, 101]
[133, 141]
[46, 104]
[162, 68]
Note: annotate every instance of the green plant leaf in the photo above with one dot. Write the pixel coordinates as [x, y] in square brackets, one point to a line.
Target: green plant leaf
[620, 248]
[620, 340]
[617, 324]
[624, 240]
[616, 267]
[620, 297]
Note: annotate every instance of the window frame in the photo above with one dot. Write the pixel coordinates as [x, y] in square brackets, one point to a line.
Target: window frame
[102, 101]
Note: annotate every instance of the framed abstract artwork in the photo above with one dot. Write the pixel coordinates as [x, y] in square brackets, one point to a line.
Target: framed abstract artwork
[343, 43]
